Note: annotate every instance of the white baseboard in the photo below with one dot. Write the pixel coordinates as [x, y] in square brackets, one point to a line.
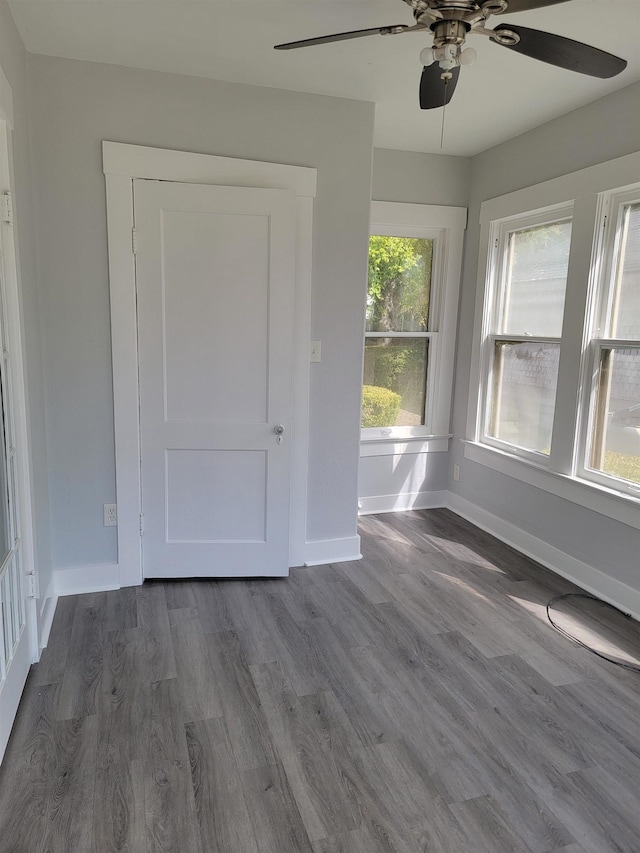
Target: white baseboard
[81, 579]
[326, 551]
[587, 577]
[47, 612]
[401, 503]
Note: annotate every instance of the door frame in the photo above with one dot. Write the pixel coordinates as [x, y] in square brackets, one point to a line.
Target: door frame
[28, 649]
[122, 163]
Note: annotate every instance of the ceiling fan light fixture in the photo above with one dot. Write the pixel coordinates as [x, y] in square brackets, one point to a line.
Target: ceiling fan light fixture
[468, 56]
[447, 56]
[427, 56]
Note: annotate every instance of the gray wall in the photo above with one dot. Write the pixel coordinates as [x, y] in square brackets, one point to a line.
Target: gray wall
[13, 60]
[407, 176]
[414, 178]
[74, 106]
[605, 129]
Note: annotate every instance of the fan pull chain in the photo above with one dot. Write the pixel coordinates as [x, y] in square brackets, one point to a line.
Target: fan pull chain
[445, 77]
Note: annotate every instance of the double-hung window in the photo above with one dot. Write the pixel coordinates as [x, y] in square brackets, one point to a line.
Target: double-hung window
[522, 349]
[410, 320]
[555, 375]
[611, 453]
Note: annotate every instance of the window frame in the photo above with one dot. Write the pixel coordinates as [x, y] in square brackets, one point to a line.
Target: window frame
[609, 219]
[499, 233]
[445, 226]
[588, 189]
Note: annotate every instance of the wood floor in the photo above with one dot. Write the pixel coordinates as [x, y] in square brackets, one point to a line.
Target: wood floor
[416, 700]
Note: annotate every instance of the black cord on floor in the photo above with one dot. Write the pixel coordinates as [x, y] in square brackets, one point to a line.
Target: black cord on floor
[624, 665]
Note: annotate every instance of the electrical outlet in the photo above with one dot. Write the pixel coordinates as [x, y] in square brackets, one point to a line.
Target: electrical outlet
[456, 473]
[110, 515]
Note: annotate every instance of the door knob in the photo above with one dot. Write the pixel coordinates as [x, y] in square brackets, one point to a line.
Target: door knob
[279, 431]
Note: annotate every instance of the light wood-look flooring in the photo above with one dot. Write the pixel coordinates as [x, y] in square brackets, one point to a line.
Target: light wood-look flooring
[416, 700]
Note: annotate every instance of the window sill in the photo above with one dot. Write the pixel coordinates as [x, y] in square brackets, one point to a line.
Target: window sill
[623, 508]
[384, 445]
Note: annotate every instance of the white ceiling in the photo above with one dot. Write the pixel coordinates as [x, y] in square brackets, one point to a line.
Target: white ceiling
[501, 96]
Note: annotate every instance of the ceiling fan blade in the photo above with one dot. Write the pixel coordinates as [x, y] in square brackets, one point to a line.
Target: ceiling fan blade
[434, 91]
[525, 5]
[353, 34]
[563, 52]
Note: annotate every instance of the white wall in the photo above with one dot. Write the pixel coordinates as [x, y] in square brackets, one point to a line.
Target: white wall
[600, 131]
[13, 61]
[76, 105]
[400, 481]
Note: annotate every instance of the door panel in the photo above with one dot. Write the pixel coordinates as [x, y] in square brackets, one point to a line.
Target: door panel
[15, 652]
[208, 323]
[205, 488]
[215, 283]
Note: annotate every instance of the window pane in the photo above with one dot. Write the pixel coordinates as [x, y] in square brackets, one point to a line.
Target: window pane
[395, 372]
[535, 280]
[5, 527]
[625, 314]
[615, 447]
[399, 284]
[524, 392]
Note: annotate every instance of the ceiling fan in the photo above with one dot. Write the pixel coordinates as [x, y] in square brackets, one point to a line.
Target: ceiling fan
[451, 21]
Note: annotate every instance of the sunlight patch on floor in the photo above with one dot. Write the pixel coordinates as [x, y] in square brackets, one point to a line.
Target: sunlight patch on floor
[537, 610]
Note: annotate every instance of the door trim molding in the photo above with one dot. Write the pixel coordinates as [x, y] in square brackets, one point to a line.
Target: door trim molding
[325, 551]
[121, 165]
[162, 164]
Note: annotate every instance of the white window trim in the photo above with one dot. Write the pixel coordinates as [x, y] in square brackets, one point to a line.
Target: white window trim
[446, 225]
[609, 212]
[584, 188]
[498, 233]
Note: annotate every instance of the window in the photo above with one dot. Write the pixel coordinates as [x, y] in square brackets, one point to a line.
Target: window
[523, 346]
[556, 373]
[613, 421]
[412, 295]
[396, 347]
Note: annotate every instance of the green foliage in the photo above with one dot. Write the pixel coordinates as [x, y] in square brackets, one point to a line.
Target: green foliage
[622, 465]
[380, 406]
[389, 361]
[397, 301]
[400, 365]
[399, 283]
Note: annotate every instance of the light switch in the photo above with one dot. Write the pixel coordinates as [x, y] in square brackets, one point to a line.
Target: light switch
[315, 353]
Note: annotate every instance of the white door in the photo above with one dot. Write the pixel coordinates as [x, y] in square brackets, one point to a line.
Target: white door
[215, 288]
[18, 637]
[16, 612]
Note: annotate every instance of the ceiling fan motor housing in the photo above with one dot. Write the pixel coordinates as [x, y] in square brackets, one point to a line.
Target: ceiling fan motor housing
[449, 32]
